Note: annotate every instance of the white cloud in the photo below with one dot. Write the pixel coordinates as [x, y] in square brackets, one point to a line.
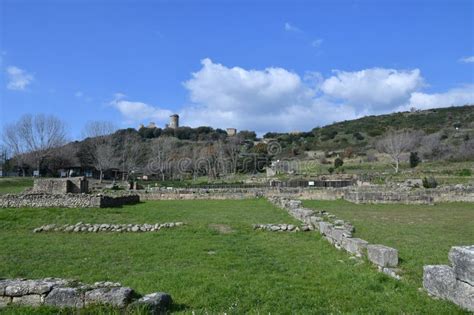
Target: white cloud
[18, 79]
[467, 59]
[291, 28]
[79, 94]
[376, 89]
[458, 96]
[276, 99]
[138, 111]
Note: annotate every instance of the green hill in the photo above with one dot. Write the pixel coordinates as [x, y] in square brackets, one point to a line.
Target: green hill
[452, 122]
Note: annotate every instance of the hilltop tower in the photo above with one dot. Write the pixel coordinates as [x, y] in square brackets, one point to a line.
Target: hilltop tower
[174, 121]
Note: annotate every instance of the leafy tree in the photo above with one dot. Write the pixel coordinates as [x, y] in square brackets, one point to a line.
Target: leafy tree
[338, 162]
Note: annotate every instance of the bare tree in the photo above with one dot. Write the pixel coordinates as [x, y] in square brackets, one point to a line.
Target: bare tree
[99, 128]
[35, 136]
[396, 143]
[161, 151]
[100, 148]
[133, 155]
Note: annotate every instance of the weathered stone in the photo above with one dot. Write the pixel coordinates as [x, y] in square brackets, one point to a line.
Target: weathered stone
[325, 227]
[114, 296]
[462, 258]
[65, 297]
[355, 246]
[383, 256]
[4, 301]
[16, 288]
[28, 300]
[441, 282]
[155, 303]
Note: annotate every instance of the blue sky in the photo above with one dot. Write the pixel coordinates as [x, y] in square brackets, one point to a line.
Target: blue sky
[259, 65]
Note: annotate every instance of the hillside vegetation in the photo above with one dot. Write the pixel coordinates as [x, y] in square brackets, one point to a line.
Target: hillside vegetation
[453, 123]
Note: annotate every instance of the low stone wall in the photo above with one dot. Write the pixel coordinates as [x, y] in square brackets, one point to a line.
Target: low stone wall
[104, 227]
[339, 233]
[455, 283]
[282, 227]
[373, 194]
[63, 293]
[42, 200]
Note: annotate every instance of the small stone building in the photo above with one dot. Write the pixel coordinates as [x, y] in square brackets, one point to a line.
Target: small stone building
[76, 185]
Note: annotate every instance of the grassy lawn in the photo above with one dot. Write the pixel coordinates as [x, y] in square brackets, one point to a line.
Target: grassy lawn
[422, 234]
[211, 271]
[13, 185]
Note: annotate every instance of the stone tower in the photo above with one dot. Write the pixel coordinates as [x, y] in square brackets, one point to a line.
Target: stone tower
[174, 121]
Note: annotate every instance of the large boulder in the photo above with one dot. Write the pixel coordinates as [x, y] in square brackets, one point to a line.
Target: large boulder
[462, 258]
[156, 303]
[382, 256]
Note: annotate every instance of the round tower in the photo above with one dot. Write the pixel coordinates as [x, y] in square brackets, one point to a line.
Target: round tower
[174, 121]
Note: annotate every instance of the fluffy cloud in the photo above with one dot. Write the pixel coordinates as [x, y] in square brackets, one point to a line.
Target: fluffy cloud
[18, 79]
[275, 99]
[467, 59]
[458, 96]
[138, 111]
[376, 89]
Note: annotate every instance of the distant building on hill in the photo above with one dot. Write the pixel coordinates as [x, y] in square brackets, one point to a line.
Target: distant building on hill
[231, 132]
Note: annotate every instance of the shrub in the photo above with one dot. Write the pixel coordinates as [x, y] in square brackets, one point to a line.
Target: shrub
[414, 159]
[331, 170]
[338, 162]
[430, 182]
[465, 172]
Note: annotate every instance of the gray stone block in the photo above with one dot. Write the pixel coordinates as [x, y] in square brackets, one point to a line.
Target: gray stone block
[325, 227]
[382, 256]
[28, 300]
[16, 288]
[65, 297]
[4, 301]
[462, 258]
[441, 282]
[114, 296]
[355, 246]
[155, 303]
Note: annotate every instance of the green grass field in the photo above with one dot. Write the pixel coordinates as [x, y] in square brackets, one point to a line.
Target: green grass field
[423, 234]
[14, 185]
[207, 270]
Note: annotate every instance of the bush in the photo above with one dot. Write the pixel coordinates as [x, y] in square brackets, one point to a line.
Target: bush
[430, 182]
[414, 159]
[338, 162]
[465, 172]
[331, 170]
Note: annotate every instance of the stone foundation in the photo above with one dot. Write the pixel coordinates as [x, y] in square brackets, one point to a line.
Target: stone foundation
[339, 233]
[76, 185]
[65, 200]
[63, 293]
[453, 283]
[96, 228]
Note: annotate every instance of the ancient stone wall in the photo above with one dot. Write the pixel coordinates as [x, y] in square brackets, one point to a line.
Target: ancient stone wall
[455, 283]
[74, 185]
[42, 200]
[339, 233]
[374, 194]
[61, 293]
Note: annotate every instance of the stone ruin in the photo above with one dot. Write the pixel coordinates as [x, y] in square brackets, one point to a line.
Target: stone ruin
[74, 185]
[339, 233]
[455, 283]
[62, 293]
